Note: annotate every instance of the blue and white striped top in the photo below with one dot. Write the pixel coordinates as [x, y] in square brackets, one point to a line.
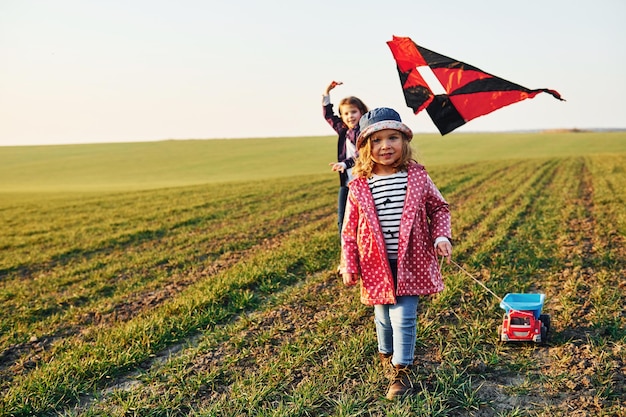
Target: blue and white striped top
[389, 192]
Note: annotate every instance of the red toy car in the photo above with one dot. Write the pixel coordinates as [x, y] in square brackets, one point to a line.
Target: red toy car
[523, 321]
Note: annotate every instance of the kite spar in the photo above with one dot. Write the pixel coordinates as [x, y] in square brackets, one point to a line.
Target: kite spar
[470, 92]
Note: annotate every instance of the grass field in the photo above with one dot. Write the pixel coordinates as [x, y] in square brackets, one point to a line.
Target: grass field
[141, 166]
[197, 278]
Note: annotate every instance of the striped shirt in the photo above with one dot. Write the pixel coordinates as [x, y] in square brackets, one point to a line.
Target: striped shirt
[389, 192]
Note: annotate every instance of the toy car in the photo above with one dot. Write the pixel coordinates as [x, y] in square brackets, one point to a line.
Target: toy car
[523, 321]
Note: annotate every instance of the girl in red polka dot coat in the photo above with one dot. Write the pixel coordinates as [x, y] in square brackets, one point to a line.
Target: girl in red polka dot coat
[395, 225]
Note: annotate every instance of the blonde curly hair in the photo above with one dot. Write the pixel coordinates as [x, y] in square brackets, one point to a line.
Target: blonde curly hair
[364, 164]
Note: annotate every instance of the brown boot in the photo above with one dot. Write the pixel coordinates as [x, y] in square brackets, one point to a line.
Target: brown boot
[385, 360]
[400, 382]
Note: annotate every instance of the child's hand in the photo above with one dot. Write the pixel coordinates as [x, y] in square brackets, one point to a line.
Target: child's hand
[332, 85]
[350, 279]
[444, 249]
[338, 166]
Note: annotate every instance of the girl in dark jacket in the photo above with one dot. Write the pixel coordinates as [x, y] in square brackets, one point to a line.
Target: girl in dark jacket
[346, 124]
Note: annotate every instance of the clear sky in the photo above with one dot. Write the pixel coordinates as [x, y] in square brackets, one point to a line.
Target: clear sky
[81, 71]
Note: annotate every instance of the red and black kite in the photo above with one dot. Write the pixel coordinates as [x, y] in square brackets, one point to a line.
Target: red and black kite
[470, 92]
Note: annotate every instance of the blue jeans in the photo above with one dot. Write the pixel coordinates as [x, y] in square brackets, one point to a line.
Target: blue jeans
[396, 326]
[342, 197]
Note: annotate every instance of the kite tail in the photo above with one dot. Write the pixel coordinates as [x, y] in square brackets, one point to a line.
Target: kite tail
[554, 94]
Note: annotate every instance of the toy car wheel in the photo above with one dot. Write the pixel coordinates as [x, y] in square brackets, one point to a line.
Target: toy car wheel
[545, 320]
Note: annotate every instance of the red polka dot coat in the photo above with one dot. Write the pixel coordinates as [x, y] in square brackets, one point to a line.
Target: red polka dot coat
[425, 217]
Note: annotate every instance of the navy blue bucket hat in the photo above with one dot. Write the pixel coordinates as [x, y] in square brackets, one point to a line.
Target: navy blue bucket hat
[380, 119]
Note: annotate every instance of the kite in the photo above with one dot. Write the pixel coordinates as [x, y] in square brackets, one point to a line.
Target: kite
[470, 92]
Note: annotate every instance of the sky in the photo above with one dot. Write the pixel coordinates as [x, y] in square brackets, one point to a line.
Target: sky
[87, 71]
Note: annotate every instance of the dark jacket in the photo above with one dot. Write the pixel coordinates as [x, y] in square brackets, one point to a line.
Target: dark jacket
[344, 134]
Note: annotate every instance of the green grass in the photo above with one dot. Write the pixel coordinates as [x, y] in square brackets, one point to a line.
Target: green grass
[149, 165]
[175, 295]
[137, 166]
